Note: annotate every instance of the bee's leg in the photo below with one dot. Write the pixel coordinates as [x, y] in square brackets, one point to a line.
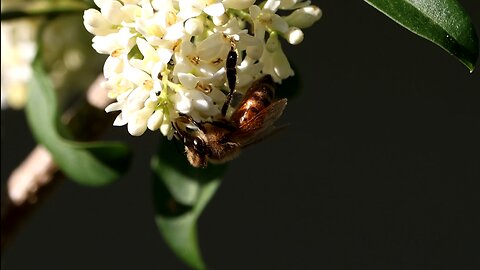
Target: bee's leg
[187, 119]
[231, 67]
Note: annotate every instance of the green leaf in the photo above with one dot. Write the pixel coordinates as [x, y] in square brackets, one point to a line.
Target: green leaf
[444, 22]
[181, 193]
[93, 164]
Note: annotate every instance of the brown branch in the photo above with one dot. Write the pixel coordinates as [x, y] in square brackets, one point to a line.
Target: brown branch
[32, 181]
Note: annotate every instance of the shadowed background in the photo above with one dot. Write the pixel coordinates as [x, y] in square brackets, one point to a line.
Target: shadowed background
[378, 169]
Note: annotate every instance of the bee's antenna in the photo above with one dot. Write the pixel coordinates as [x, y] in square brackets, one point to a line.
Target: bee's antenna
[231, 76]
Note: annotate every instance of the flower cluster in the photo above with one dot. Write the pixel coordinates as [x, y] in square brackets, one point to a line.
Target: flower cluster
[168, 57]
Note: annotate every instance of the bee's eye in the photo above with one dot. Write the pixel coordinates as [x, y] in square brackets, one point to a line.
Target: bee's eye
[199, 145]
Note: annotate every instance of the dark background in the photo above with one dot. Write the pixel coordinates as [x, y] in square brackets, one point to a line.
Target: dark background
[379, 169]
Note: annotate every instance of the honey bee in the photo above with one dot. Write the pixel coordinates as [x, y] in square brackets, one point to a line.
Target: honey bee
[221, 141]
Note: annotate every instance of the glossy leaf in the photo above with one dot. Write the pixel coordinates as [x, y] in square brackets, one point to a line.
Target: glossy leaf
[93, 164]
[181, 193]
[444, 22]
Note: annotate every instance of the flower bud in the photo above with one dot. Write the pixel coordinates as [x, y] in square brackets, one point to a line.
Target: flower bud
[194, 26]
[304, 17]
[165, 126]
[281, 65]
[156, 120]
[137, 123]
[294, 35]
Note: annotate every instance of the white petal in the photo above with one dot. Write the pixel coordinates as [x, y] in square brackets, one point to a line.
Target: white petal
[162, 4]
[254, 11]
[101, 3]
[304, 17]
[165, 54]
[105, 44]
[96, 24]
[174, 32]
[272, 5]
[145, 48]
[287, 4]
[194, 26]
[130, 1]
[136, 99]
[158, 68]
[137, 123]
[130, 12]
[238, 4]
[112, 66]
[120, 120]
[147, 9]
[272, 43]
[293, 4]
[220, 20]
[182, 103]
[213, 46]
[112, 12]
[135, 75]
[279, 24]
[216, 9]
[189, 9]
[255, 52]
[116, 106]
[188, 80]
[137, 126]
[246, 40]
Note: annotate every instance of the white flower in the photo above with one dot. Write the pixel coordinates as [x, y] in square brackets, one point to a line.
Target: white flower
[274, 60]
[266, 18]
[154, 60]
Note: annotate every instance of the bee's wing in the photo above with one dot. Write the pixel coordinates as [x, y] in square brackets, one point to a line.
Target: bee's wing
[261, 125]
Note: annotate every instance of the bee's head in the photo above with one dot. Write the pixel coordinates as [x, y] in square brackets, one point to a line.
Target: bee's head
[192, 136]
